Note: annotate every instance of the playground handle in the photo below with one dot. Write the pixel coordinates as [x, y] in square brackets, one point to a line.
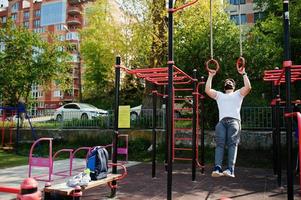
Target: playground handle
[183, 6]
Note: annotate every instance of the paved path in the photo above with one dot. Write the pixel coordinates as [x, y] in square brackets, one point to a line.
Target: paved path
[249, 184]
[12, 177]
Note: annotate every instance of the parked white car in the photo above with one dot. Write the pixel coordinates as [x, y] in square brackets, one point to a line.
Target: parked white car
[78, 111]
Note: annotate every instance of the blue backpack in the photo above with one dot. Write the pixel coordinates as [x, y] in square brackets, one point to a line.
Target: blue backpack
[98, 163]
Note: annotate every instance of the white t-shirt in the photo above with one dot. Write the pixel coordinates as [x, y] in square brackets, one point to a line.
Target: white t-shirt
[229, 104]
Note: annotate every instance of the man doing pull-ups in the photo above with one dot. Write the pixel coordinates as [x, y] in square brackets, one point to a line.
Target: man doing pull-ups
[227, 130]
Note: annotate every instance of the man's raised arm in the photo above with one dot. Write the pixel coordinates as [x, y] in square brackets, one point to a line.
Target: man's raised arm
[208, 88]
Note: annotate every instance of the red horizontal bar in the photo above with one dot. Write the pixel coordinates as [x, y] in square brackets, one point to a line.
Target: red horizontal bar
[183, 149]
[153, 75]
[183, 119]
[183, 6]
[182, 159]
[165, 69]
[183, 129]
[184, 139]
[187, 109]
[183, 89]
[9, 190]
[183, 99]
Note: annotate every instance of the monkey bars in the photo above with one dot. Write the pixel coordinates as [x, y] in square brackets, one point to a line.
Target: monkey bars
[278, 75]
[159, 76]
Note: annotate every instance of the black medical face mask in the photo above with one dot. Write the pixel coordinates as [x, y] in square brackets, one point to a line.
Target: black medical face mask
[228, 87]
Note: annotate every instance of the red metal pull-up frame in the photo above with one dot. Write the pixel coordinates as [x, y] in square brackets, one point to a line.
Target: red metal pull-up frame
[182, 7]
[159, 76]
[278, 75]
[298, 116]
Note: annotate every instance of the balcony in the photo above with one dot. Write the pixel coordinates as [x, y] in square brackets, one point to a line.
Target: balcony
[72, 10]
[72, 36]
[72, 21]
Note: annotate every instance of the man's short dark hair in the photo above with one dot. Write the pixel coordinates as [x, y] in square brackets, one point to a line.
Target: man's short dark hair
[230, 79]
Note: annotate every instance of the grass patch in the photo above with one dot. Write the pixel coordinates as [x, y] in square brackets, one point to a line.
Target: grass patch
[11, 159]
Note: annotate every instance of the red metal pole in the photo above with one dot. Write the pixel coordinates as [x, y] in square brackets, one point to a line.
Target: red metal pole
[3, 128]
[11, 129]
[298, 115]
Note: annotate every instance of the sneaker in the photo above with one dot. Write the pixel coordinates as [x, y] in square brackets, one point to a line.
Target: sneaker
[229, 172]
[217, 171]
[82, 179]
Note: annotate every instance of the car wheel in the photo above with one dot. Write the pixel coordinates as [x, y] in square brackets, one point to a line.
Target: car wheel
[59, 118]
[134, 116]
[84, 116]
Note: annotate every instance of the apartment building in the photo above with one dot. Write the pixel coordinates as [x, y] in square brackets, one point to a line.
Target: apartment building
[63, 18]
[248, 11]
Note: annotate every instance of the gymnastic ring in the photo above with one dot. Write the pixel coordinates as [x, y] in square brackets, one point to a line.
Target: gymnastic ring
[240, 64]
[212, 61]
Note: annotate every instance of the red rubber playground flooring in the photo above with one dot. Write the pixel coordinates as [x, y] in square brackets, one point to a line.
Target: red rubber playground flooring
[249, 184]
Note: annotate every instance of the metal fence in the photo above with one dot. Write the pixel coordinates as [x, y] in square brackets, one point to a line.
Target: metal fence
[259, 118]
[253, 118]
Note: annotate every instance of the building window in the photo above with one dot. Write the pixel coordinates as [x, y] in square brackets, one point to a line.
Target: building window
[26, 24]
[53, 13]
[61, 37]
[72, 36]
[2, 46]
[37, 13]
[59, 27]
[258, 16]
[14, 16]
[236, 2]
[26, 15]
[36, 23]
[57, 93]
[235, 19]
[15, 7]
[3, 19]
[39, 30]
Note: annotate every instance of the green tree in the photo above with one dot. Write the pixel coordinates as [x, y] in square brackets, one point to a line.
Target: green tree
[192, 40]
[102, 41]
[268, 37]
[25, 60]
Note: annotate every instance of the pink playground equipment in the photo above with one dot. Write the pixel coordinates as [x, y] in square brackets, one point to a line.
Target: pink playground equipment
[123, 150]
[48, 162]
[28, 190]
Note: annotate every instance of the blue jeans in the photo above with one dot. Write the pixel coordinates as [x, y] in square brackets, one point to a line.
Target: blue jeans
[227, 131]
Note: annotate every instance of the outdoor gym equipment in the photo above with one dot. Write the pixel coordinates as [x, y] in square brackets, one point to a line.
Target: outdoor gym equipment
[240, 62]
[61, 190]
[288, 74]
[48, 161]
[10, 113]
[7, 111]
[172, 77]
[28, 190]
[211, 61]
